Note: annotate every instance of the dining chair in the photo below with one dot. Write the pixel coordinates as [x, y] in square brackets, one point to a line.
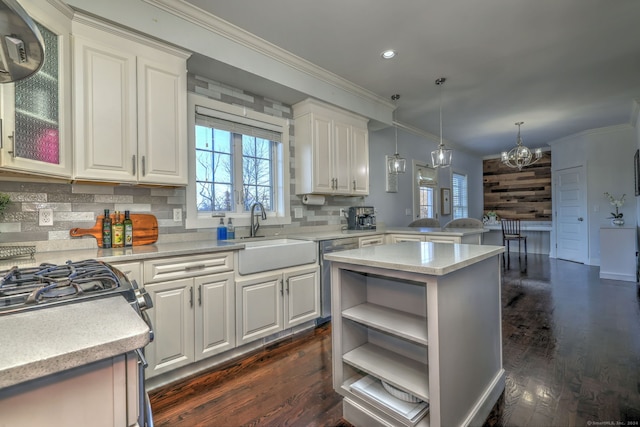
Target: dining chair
[464, 223]
[511, 231]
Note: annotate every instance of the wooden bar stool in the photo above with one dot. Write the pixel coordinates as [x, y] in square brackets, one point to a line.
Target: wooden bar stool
[511, 231]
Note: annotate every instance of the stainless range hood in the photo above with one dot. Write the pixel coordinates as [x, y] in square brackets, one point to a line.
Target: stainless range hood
[22, 47]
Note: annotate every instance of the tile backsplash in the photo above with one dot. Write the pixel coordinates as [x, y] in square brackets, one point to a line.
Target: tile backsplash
[78, 205]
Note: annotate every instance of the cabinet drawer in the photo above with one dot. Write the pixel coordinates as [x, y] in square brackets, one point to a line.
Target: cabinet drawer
[187, 266]
[371, 241]
[442, 239]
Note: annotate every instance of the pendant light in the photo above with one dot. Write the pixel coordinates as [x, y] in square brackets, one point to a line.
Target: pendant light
[520, 156]
[396, 164]
[441, 158]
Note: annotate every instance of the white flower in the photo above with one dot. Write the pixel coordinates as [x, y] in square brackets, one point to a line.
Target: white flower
[615, 202]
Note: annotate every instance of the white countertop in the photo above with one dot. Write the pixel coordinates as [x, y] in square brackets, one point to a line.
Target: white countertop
[157, 250]
[134, 253]
[37, 343]
[418, 257]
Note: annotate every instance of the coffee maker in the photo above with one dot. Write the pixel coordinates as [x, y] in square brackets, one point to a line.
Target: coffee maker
[361, 218]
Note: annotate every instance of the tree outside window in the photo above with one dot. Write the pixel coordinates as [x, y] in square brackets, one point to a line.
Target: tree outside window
[219, 154]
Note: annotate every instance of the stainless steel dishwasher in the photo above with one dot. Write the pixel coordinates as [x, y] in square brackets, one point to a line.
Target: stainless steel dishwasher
[326, 247]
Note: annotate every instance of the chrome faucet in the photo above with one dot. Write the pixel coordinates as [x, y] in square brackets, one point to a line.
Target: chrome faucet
[255, 223]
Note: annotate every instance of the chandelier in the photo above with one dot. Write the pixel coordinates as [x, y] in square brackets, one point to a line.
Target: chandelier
[520, 156]
[395, 163]
[441, 158]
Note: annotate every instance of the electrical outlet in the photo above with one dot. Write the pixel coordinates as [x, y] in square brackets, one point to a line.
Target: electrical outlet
[297, 212]
[45, 217]
[177, 215]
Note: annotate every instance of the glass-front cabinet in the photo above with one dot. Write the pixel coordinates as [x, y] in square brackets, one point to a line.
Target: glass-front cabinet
[35, 112]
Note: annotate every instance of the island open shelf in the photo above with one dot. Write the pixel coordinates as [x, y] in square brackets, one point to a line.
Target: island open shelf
[406, 325]
[426, 319]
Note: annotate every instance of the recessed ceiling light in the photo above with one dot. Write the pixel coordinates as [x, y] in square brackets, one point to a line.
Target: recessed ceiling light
[388, 54]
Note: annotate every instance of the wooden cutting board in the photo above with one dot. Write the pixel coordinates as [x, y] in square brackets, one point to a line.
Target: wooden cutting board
[145, 229]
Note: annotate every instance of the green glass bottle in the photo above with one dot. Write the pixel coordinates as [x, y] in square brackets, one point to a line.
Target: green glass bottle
[128, 229]
[106, 230]
[117, 232]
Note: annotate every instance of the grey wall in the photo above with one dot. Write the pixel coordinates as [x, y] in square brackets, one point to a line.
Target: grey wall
[391, 206]
[607, 155]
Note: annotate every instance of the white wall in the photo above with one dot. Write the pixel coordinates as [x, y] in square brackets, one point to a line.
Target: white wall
[391, 206]
[607, 155]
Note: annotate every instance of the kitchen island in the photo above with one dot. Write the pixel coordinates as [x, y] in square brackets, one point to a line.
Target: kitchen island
[420, 320]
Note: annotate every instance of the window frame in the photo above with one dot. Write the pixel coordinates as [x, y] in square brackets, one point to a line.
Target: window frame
[280, 215]
[465, 205]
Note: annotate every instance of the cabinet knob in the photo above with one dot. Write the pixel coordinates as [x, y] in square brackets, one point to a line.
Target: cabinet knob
[580, 219]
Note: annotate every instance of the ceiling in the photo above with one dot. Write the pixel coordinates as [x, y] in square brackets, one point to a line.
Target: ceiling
[561, 67]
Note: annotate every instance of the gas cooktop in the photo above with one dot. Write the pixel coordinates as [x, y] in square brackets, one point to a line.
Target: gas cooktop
[50, 284]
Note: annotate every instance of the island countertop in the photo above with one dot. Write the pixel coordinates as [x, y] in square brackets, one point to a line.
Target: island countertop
[42, 342]
[419, 257]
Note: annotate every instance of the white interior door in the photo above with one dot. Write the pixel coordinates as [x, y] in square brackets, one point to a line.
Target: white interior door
[571, 226]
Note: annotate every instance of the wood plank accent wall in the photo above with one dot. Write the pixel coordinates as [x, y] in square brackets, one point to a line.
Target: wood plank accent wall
[524, 194]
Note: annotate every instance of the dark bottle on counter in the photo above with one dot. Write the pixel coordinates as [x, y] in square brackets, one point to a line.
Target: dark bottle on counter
[117, 231]
[128, 229]
[106, 229]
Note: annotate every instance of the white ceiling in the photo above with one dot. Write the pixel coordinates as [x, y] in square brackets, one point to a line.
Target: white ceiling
[560, 66]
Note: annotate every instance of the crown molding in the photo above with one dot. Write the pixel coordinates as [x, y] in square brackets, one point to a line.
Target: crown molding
[214, 24]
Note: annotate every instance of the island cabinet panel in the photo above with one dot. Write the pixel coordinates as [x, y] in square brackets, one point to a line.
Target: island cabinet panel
[434, 337]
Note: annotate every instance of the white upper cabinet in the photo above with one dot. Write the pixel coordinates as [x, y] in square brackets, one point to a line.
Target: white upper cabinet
[36, 129]
[129, 107]
[331, 150]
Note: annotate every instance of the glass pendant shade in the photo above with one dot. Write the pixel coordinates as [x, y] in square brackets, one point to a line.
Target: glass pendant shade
[396, 164]
[520, 156]
[441, 158]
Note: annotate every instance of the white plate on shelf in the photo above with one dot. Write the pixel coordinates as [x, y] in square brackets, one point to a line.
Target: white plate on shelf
[370, 388]
[399, 394]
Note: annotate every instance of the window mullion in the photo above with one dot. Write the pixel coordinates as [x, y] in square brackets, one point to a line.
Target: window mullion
[238, 183]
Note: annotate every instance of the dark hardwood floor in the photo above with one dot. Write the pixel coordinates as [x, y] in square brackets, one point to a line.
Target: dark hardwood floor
[571, 351]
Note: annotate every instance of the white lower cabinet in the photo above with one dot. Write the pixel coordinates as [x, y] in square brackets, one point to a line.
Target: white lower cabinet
[193, 315]
[133, 270]
[270, 302]
[101, 394]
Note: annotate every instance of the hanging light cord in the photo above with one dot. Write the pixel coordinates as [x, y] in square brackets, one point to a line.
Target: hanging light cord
[440, 82]
[395, 126]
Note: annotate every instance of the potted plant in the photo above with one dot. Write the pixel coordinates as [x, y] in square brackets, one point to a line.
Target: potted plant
[492, 217]
[616, 218]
